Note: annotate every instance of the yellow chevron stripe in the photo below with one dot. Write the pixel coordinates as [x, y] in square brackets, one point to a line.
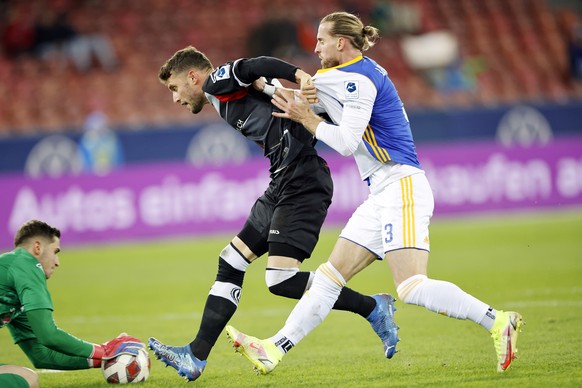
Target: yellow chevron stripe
[370, 141]
[324, 268]
[403, 294]
[383, 150]
[386, 156]
[373, 142]
[380, 152]
[332, 277]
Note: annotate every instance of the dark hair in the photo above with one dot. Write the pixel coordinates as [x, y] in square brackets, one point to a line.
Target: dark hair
[350, 26]
[183, 60]
[35, 228]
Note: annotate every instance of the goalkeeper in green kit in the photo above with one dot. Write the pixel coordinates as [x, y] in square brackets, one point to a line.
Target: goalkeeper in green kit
[26, 309]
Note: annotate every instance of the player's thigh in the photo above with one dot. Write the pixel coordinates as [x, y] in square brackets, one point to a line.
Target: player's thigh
[364, 229]
[405, 208]
[297, 225]
[252, 240]
[283, 262]
[244, 249]
[407, 262]
[302, 206]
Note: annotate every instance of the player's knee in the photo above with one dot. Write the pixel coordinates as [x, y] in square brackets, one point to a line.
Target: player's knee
[278, 290]
[231, 265]
[276, 279]
[31, 378]
[287, 290]
[234, 257]
[287, 282]
[228, 274]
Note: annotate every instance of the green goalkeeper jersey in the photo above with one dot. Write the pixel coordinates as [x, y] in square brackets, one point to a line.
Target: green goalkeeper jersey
[26, 308]
[23, 288]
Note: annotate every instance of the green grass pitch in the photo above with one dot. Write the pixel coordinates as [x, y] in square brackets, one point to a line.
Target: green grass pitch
[530, 263]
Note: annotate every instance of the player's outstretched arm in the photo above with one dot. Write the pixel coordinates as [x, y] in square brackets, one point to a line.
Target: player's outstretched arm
[43, 357]
[49, 335]
[56, 349]
[248, 70]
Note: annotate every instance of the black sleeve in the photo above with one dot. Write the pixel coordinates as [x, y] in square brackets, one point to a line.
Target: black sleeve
[248, 70]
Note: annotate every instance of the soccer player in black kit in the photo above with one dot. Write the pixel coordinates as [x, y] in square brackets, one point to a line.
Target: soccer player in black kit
[285, 221]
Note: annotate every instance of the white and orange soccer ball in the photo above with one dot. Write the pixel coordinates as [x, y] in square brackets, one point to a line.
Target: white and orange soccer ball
[126, 368]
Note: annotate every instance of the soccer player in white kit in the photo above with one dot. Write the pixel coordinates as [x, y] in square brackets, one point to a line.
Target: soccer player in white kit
[370, 123]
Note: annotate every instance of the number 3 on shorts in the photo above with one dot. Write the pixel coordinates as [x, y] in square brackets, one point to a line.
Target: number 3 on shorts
[388, 231]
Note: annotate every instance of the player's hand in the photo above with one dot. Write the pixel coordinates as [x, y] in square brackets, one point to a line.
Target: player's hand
[306, 85]
[122, 344]
[293, 104]
[259, 84]
[282, 98]
[295, 107]
[308, 90]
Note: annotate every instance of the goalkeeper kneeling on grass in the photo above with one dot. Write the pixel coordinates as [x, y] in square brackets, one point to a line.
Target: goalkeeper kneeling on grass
[27, 309]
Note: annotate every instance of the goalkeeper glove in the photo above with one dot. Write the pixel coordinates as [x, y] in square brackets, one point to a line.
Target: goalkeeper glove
[122, 344]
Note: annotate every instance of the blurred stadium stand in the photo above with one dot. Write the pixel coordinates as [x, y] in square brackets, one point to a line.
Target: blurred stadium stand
[509, 51]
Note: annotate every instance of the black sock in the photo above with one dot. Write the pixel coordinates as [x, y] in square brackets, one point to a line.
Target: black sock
[217, 313]
[348, 300]
[220, 306]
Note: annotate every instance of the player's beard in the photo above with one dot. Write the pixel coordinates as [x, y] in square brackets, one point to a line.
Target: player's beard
[196, 106]
[327, 63]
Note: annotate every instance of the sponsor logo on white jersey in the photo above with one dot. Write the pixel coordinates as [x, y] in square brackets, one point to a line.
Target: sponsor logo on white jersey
[351, 88]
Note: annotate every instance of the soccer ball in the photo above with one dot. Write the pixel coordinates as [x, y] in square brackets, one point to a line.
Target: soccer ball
[126, 368]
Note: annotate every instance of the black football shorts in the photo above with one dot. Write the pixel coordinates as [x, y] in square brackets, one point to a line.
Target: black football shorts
[292, 209]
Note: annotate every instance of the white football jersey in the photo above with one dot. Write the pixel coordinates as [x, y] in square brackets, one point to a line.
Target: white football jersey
[370, 120]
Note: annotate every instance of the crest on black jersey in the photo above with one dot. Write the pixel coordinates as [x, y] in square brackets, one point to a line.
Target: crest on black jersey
[221, 72]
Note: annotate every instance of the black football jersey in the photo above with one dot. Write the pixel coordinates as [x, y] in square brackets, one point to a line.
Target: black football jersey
[229, 90]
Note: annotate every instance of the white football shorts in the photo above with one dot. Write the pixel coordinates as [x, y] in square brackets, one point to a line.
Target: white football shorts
[396, 217]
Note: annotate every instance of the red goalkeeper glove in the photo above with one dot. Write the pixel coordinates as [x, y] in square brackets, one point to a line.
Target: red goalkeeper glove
[122, 344]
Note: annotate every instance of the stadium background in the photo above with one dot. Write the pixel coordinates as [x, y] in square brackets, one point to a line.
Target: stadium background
[90, 140]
